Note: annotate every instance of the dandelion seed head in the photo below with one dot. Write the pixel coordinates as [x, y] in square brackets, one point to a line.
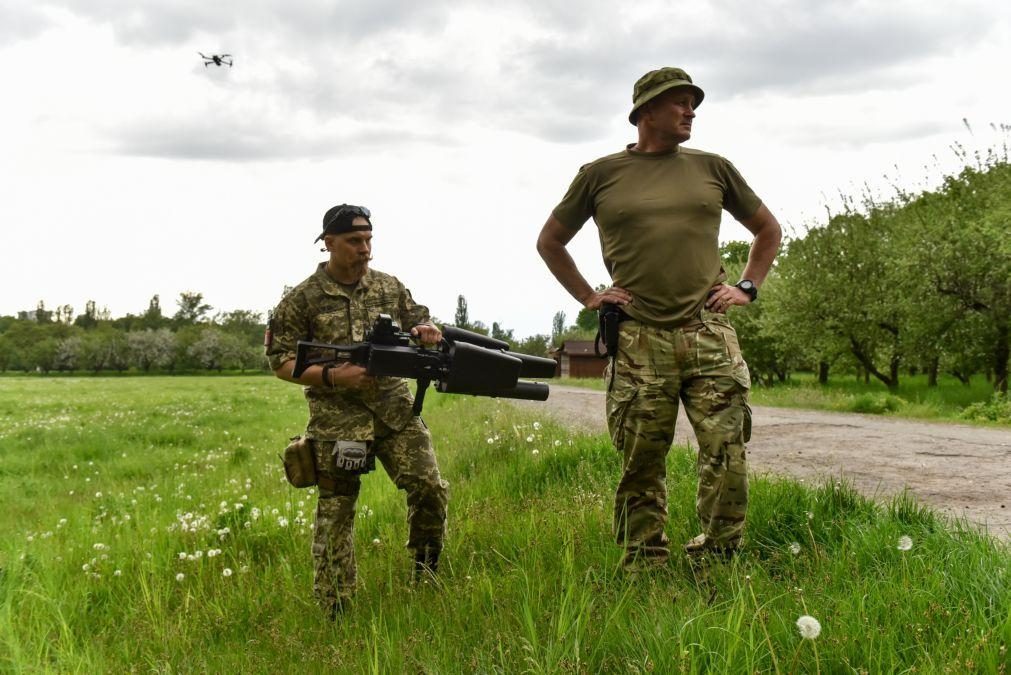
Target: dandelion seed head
[180, 576]
[795, 548]
[809, 627]
[227, 572]
[905, 543]
[376, 542]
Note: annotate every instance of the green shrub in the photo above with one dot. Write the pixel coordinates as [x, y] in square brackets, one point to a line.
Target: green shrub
[997, 409]
[876, 404]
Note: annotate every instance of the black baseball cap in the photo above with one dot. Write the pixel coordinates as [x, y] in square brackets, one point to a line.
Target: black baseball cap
[339, 219]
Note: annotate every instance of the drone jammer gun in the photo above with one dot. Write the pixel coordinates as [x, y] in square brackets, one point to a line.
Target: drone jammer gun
[463, 363]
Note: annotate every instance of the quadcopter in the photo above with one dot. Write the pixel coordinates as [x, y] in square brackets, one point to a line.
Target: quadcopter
[217, 59]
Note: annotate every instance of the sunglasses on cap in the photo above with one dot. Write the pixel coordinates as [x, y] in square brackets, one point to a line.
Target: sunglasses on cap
[348, 209]
[339, 218]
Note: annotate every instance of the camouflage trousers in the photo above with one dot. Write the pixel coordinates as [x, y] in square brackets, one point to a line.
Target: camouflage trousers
[701, 365]
[409, 459]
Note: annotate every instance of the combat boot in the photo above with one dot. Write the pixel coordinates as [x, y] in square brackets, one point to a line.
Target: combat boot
[701, 545]
[426, 563]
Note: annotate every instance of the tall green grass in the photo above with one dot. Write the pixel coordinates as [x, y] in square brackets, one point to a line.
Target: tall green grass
[126, 500]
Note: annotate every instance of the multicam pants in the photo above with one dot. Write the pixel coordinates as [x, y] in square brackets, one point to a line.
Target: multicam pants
[700, 364]
[409, 460]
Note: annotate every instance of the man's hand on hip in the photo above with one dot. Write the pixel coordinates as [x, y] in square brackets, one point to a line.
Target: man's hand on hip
[722, 297]
[613, 294]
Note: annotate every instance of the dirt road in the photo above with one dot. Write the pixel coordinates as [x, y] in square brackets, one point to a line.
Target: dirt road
[961, 470]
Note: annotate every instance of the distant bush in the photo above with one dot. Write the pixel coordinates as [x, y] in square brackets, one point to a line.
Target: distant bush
[876, 404]
[997, 409]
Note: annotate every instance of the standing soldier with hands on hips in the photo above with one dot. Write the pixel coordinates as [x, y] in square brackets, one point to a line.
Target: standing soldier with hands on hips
[657, 207]
[355, 418]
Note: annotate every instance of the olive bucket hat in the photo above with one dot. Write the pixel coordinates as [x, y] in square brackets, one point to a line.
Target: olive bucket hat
[656, 82]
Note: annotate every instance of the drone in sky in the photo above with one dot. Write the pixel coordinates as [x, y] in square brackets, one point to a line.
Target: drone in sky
[217, 59]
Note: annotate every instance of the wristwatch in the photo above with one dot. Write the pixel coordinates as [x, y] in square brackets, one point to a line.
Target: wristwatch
[748, 286]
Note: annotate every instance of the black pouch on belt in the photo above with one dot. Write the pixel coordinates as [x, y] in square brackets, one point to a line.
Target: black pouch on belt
[608, 317]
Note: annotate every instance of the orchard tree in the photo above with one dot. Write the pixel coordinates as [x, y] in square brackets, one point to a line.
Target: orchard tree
[962, 254]
[151, 348]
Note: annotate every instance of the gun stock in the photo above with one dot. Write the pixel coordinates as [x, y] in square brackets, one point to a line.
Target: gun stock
[326, 353]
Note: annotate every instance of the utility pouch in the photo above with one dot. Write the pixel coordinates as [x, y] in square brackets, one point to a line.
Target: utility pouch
[608, 316]
[300, 463]
[353, 457]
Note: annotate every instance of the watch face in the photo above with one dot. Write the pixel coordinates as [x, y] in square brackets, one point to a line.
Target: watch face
[746, 285]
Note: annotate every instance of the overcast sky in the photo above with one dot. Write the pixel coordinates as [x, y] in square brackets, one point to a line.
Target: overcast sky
[130, 169]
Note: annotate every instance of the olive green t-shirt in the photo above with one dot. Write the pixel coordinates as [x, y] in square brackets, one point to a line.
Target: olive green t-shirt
[658, 215]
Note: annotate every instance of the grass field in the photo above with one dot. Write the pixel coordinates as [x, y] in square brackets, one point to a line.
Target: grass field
[147, 527]
[913, 398]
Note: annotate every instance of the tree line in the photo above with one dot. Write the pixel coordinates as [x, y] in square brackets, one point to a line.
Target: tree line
[191, 339]
[43, 340]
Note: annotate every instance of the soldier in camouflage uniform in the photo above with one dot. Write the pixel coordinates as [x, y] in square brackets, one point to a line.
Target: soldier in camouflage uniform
[657, 207]
[338, 303]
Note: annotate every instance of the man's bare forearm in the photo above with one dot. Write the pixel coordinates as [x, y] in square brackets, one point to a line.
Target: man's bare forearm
[768, 235]
[551, 244]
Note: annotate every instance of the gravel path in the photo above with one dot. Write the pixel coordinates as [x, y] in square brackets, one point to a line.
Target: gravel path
[962, 470]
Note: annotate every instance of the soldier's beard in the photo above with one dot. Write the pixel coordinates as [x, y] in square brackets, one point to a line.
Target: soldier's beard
[361, 266]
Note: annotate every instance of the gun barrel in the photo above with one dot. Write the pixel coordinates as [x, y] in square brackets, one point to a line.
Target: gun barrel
[535, 366]
[527, 391]
[454, 334]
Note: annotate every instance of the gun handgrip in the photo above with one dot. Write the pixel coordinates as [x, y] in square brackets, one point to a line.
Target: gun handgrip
[419, 396]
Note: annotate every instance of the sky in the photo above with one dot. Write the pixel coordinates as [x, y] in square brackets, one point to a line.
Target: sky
[129, 168]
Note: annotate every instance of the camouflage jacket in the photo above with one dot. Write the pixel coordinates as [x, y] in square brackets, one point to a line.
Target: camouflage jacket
[319, 309]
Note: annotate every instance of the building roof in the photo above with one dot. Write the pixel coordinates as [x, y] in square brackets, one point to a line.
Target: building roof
[577, 348]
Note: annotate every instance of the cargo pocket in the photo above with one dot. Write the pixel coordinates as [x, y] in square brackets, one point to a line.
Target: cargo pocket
[619, 401]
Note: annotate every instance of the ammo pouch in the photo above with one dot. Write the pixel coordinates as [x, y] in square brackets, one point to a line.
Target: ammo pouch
[300, 462]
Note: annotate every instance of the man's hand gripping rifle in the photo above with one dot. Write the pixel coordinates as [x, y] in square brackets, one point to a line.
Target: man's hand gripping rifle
[463, 363]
